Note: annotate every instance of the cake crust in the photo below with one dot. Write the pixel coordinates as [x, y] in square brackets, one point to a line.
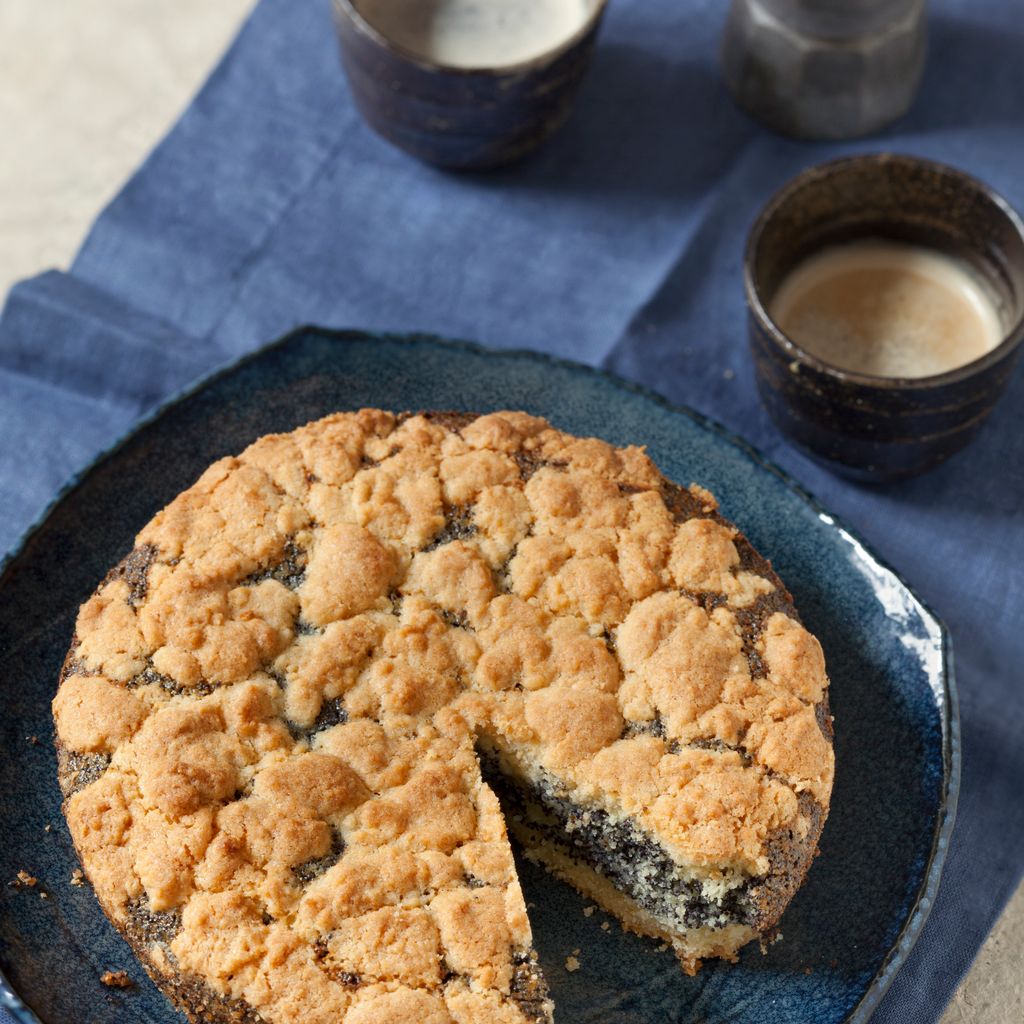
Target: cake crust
[268, 718]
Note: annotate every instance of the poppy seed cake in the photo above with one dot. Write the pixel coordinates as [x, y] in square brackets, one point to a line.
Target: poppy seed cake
[287, 717]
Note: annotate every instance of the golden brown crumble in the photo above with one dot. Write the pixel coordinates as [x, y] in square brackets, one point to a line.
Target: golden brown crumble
[116, 979]
[271, 712]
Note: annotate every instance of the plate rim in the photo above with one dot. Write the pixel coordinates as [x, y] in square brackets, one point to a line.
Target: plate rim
[948, 701]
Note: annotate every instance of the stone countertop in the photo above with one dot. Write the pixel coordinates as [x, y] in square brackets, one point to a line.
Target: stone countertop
[86, 90]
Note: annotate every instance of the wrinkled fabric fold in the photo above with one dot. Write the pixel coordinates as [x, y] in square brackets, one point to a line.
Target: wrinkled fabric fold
[70, 335]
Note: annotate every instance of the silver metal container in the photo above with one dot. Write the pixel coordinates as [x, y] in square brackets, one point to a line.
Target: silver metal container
[825, 69]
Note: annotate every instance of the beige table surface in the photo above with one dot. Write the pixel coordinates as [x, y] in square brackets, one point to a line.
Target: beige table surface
[87, 87]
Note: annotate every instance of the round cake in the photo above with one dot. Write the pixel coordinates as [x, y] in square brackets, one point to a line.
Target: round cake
[298, 721]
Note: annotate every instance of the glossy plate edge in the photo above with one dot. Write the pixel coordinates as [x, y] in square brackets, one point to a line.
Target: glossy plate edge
[896, 595]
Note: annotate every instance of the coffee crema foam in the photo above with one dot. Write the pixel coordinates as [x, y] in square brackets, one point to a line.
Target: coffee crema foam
[476, 33]
[887, 309]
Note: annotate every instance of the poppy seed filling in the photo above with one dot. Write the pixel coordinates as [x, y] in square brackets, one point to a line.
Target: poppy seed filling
[619, 850]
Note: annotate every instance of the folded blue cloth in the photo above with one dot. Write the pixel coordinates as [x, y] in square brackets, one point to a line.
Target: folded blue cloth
[271, 204]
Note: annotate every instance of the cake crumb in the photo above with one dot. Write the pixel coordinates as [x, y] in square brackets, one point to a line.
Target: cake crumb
[572, 964]
[25, 879]
[808, 970]
[116, 979]
[663, 947]
[589, 911]
[34, 740]
[47, 828]
[77, 877]
[605, 926]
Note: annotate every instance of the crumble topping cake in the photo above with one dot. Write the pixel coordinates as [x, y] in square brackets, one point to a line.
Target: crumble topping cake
[278, 713]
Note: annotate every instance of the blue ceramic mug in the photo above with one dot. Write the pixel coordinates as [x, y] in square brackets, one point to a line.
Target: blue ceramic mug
[461, 116]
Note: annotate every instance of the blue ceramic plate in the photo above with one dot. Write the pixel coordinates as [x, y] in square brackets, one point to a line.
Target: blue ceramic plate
[867, 895]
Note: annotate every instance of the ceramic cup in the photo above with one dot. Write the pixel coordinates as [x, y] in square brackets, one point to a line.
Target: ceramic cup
[456, 117]
[882, 428]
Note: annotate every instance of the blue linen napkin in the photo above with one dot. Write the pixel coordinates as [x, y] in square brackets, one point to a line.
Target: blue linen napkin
[271, 204]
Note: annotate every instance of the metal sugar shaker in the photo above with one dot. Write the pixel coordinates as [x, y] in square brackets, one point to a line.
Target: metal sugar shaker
[825, 69]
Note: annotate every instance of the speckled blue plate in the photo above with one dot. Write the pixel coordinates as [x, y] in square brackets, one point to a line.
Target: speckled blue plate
[866, 898]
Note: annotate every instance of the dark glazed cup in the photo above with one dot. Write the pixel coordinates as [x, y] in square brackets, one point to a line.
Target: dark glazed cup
[462, 118]
[882, 428]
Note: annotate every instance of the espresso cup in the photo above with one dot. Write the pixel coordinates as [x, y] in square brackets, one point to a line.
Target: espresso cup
[870, 427]
[462, 117]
